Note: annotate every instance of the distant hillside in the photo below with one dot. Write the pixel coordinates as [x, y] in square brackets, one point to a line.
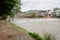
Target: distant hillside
[9, 31]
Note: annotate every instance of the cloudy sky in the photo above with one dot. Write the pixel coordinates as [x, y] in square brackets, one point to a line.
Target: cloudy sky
[39, 4]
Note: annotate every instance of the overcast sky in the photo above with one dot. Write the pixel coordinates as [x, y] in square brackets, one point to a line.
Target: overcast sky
[39, 4]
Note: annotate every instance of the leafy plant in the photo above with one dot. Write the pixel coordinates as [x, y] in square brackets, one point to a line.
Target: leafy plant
[36, 36]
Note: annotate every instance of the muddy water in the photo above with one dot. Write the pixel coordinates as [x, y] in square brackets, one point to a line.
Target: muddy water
[40, 26]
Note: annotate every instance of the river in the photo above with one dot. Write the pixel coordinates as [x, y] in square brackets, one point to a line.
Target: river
[40, 26]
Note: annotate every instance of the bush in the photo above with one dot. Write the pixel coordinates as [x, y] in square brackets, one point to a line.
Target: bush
[33, 14]
[36, 36]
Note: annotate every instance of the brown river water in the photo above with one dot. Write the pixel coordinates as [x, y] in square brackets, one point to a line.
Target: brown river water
[40, 26]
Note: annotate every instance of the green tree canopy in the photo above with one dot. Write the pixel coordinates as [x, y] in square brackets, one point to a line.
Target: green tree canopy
[56, 8]
[33, 14]
[6, 6]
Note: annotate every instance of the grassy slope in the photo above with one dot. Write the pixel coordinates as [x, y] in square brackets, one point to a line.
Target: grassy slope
[9, 31]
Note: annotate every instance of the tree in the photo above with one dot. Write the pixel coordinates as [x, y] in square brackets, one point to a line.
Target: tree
[55, 9]
[6, 7]
[16, 9]
[33, 14]
[56, 12]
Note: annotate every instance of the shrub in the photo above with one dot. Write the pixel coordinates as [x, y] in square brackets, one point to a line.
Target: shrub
[33, 14]
[36, 36]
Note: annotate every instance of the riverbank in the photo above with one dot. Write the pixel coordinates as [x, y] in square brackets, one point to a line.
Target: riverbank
[9, 31]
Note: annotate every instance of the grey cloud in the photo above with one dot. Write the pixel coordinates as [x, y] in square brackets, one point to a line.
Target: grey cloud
[40, 4]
